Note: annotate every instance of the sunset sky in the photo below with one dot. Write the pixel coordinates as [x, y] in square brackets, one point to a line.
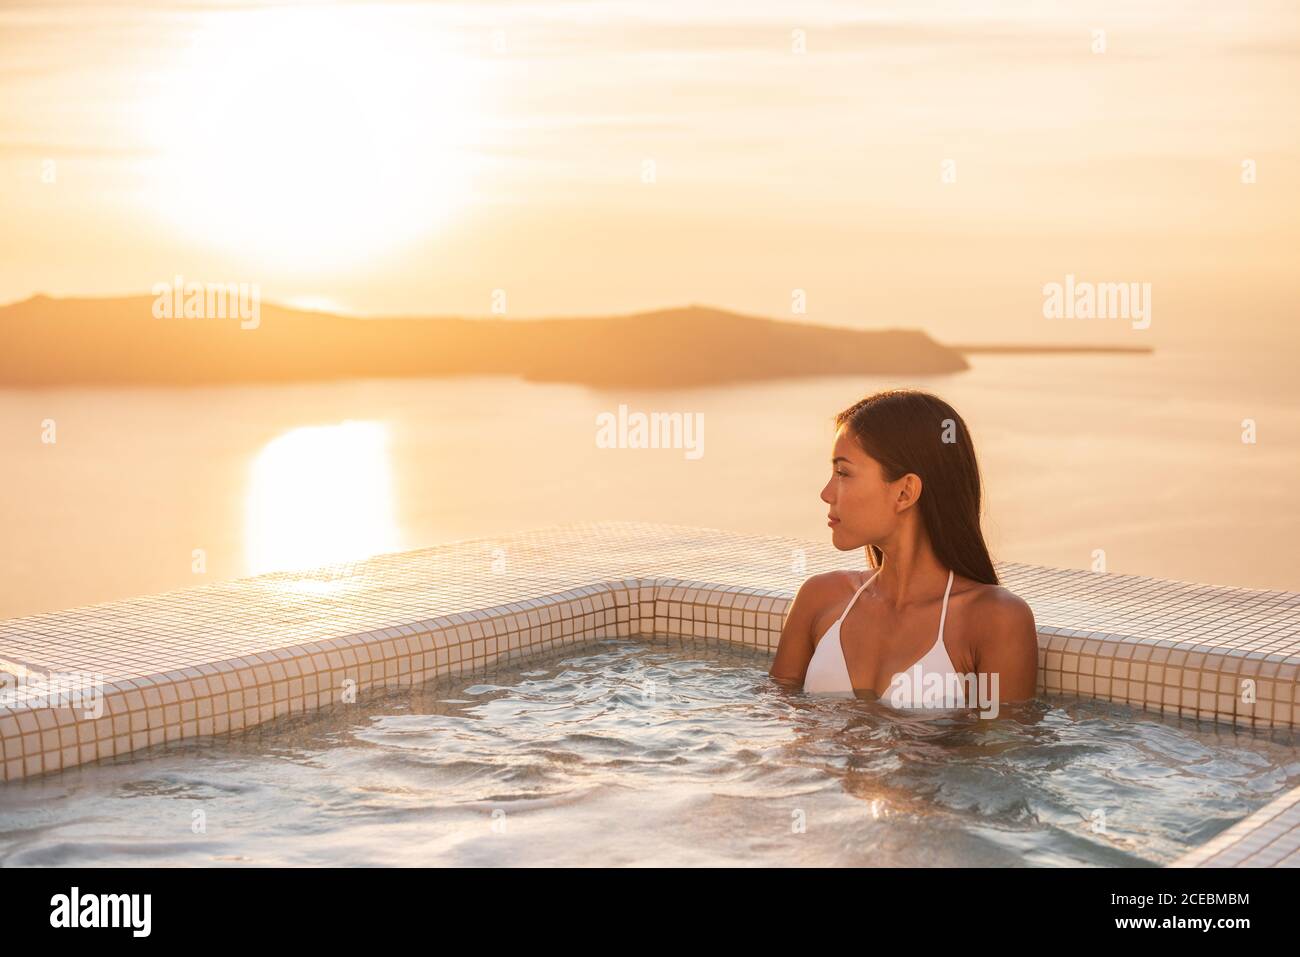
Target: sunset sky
[411, 158]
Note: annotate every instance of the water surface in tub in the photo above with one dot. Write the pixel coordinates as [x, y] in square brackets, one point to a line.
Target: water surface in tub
[657, 752]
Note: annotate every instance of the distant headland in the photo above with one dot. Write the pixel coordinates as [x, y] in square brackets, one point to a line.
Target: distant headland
[47, 341]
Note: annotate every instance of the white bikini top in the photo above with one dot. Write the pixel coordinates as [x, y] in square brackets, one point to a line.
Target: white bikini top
[926, 684]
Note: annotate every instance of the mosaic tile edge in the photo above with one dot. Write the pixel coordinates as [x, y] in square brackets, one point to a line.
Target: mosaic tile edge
[1194, 672]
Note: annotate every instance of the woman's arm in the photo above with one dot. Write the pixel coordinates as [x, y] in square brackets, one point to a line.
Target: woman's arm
[1007, 645]
[795, 649]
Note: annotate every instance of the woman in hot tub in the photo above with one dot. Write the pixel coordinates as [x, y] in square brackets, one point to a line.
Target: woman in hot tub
[926, 624]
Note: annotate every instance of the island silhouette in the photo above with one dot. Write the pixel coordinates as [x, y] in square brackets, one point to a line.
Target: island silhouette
[64, 341]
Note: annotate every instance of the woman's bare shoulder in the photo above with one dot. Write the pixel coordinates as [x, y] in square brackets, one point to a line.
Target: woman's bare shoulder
[827, 590]
[803, 624]
[996, 599]
[837, 580]
[995, 611]
[818, 597]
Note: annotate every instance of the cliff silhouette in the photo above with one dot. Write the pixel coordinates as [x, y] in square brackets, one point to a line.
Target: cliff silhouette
[46, 341]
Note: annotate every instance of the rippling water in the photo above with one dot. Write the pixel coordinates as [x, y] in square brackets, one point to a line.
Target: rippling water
[665, 752]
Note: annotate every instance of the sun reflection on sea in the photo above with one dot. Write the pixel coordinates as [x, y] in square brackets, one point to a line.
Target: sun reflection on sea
[319, 495]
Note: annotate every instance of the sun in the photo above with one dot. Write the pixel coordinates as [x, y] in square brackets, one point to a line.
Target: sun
[312, 137]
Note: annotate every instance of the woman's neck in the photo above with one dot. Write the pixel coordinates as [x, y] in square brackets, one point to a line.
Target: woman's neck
[909, 570]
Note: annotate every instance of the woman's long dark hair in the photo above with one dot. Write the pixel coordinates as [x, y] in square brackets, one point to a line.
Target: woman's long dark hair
[907, 430]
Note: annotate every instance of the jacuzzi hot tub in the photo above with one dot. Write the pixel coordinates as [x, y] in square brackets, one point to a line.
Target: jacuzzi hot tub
[598, 694]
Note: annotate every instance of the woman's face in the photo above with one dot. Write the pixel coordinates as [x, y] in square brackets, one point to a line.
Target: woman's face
[860, 499]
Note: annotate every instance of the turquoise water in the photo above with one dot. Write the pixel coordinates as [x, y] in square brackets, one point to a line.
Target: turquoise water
[628, 752]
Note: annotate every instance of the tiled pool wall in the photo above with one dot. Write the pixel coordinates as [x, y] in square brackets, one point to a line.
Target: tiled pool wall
[218, 659]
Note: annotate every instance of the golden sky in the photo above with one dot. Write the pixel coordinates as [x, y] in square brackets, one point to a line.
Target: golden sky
[588, 158]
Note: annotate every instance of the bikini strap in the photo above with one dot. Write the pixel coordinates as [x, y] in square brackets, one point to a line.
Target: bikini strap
[845, 612]
[944, 613]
